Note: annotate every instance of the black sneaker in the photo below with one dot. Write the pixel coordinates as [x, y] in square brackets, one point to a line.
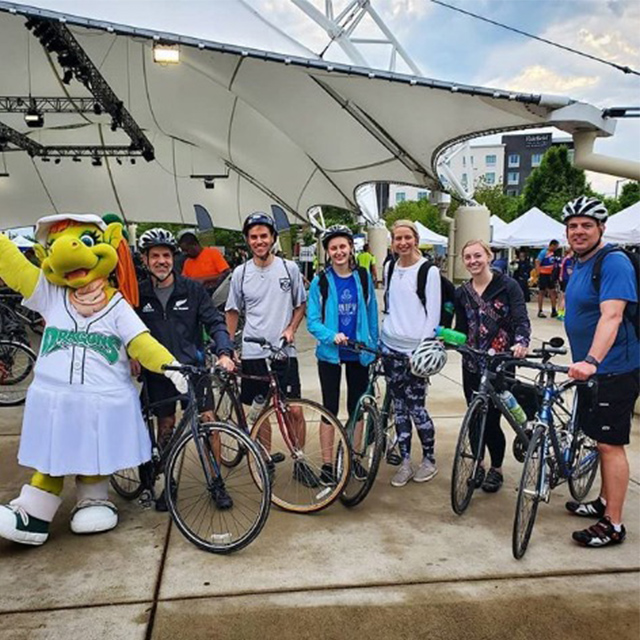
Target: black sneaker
[304, 475]
[161, 502]
[541, 315]
[328, 475]
[601, 534]
[220, 495]
[593, 509]
[493, 481]
[358, 471]
[277, 457]
[478, 479]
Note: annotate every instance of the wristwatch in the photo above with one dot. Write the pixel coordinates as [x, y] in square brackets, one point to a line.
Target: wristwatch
[591, 360]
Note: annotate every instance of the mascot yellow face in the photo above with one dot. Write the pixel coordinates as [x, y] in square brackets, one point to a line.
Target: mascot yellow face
[77, 252]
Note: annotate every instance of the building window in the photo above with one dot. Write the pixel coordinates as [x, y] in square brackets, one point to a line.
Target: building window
[513, 177]
[401, 196]
[472, 161]
[490, 161]
[570, 155]
[512, 192]
[514, 159]
[464, 161]
[422, 195]
[490, 178]
[464, 179]
[536, 159]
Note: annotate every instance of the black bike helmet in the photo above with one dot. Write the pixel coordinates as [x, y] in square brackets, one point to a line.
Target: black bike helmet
[587, 207]
[335, 231]
[259, 218]
[157, 237]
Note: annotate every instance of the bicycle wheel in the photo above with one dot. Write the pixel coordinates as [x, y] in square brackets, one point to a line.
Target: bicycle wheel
[127, 483]
[530, 492]
[468, 455]
[17, 363]
[192, 504]
[226, 409]
[310, 437]
[367, 444]
[585, 466]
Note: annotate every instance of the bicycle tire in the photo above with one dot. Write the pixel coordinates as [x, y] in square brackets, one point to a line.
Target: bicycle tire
[368, 455]
[465, 461]
[585, 466]
[529, 491]
[288, 491]
[226, 410]
[192, 507]
[17, 364]
[127, 483]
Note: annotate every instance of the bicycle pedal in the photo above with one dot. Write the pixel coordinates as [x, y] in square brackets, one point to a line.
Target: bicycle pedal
[325, 492]
[146, 499]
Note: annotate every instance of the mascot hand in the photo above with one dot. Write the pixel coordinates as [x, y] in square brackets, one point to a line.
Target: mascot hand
[178, 379]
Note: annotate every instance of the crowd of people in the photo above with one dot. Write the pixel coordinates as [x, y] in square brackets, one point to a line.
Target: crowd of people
[269, 293]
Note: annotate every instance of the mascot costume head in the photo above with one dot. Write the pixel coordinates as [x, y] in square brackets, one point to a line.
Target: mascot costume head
[82, 414]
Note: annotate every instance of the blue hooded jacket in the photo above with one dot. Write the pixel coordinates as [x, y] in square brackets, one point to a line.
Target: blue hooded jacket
[325, 331]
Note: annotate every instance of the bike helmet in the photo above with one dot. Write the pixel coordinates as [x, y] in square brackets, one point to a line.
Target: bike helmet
[259, 218]
[336, 231]
[587, 207]
[157, 237]
[428, 359]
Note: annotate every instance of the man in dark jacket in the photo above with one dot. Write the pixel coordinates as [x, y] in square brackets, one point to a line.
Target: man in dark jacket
[176, 309]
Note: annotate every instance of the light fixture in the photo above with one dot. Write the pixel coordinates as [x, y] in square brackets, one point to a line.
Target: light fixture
[166, 54]
[67, 77]
[57, 161]
[209, 183]
[118, 161]
[33, 118]
[77, 159]
[97, 109]
[133, 160]
[4, 174]
[96, 161]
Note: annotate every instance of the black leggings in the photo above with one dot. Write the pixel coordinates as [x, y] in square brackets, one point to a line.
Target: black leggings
[493, 434]
[330, 375]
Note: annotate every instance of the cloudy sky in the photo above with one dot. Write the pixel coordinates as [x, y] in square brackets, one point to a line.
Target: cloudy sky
[444, 44]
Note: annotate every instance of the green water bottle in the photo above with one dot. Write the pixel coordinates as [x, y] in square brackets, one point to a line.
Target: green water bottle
[449, 336]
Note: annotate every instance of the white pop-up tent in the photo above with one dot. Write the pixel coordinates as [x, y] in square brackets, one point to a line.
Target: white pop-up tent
[624, 227]
[232, 128]
[532, 229]
[430, 237]
[22, 243]
[496, 223]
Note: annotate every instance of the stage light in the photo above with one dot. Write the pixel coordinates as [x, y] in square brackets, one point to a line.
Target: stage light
[166, 54]
[33, 118]
[96, 161]
[67, 76]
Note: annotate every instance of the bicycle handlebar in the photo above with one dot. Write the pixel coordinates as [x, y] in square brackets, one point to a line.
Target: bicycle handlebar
[356, 346]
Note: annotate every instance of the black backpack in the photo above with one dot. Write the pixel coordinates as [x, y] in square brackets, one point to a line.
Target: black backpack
[632, 309]
[447, 292]
[323, 283]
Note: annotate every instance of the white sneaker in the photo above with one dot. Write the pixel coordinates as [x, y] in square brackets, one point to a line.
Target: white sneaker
[94, 516]
[426, 471]
[403, 474]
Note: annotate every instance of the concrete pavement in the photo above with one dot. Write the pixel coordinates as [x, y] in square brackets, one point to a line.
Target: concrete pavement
[401, 565]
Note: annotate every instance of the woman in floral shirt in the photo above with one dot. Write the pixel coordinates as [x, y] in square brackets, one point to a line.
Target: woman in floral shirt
[491, 311]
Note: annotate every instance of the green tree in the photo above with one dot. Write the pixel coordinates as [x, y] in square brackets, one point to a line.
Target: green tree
[417, 210]
[630, 195]
[499, 203]
[556, 181]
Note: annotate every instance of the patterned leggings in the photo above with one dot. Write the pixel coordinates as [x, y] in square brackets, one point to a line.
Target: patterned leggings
[409, 394]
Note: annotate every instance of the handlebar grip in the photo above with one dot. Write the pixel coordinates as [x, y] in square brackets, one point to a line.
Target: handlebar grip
[260, 341]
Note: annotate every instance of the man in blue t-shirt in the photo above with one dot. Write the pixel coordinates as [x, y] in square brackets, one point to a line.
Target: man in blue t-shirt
[547, 267]
[604, 345]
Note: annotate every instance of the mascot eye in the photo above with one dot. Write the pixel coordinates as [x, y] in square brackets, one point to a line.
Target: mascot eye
[88, 239]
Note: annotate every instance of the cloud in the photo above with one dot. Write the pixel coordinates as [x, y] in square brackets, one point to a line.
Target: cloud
[536, 76]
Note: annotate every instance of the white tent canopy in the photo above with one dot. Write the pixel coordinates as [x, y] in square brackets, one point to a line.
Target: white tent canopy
[496, 223]
[430, 237]
[22, 242]
[268, 127]
[624, 226]
[532, 229]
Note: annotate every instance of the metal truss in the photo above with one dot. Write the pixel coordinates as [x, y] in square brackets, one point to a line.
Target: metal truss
[56, 38]
[21, 104]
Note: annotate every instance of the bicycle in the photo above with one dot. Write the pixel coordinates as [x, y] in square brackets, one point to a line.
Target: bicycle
[17, 364]
[307, 439]
[193, 476]
[558, 451]
[14, 315]
[469, 451]
[371, 432]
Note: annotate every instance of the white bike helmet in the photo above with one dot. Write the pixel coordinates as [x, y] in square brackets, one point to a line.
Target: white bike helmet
[157, 237]
[586, 207]
[428, 359]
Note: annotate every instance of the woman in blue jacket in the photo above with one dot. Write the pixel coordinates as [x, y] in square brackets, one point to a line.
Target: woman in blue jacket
[338, 311]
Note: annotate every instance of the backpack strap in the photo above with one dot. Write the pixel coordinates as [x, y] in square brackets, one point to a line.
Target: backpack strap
[364, 282]
[596, 274]
[391, 265]
[293, 297]
[423, 274]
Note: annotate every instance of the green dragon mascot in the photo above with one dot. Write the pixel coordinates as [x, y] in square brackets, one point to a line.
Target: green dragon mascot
[82, 414]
